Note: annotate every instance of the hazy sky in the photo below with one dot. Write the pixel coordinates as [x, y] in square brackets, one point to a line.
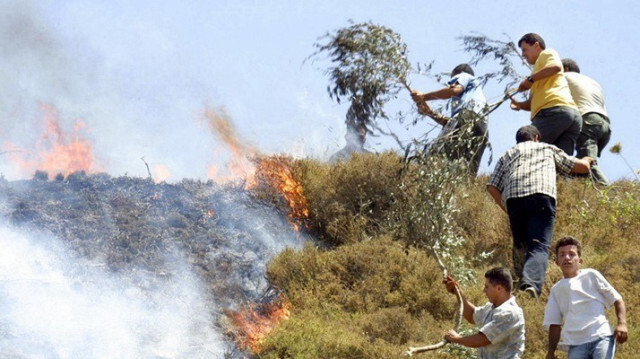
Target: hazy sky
[140, 74]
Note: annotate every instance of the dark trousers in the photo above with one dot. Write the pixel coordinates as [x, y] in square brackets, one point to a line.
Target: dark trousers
[531, 219]
[595, 135]
[559, 126]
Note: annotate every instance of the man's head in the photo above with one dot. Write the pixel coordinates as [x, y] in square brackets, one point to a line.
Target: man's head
[570, 66]
[568, 256]
[527, 133]
[531, 45]
[498, 285]
[462, 68]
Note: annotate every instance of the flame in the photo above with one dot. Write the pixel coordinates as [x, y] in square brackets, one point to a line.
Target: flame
[275, 172]
[162, 173]
[239, 166]
[252, 324]
[56, 151]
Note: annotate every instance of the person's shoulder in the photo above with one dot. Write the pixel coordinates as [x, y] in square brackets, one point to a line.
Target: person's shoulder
[590, 272]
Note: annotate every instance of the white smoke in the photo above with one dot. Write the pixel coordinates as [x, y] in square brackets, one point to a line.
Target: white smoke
[53, 305]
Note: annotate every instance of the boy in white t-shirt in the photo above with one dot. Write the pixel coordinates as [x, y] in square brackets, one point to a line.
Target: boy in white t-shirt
[576, 308]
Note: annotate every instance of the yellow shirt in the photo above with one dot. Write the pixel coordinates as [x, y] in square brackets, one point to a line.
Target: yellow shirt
[550, 91]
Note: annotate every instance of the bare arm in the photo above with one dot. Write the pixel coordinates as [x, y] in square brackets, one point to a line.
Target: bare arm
[469, 308]
[471, 341]
[424, 109]
[520, 105]
[620, 332]
[582, 165]
[554, 338]
[497, 196]
[544, 72]
[441, 94]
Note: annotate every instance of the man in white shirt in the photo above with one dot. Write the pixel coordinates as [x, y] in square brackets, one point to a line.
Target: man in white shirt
[596, 127]
[575, 313]
[500, 322]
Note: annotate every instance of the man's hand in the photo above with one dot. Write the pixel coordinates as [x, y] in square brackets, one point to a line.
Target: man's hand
[515, 105]
[417, 96]
[451, 285]
[524, 85]
[451, 336]
[620, 333]
[591, 160]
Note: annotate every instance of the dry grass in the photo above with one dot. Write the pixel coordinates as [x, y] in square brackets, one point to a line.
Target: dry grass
[371, 295]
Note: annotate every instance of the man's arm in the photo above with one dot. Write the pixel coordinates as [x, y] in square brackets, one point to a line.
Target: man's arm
[424, 109]
[471, 341]
[442, 94]
[520, 105]
[468, 307]
[620, 333]
[549, 70]
[554, 338]
[582, 165]
[497, 196]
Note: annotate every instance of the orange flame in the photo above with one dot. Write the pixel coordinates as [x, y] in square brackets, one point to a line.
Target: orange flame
[56, 151]
[275, 172]
[239, 166]
[252, 324]
[162, 173]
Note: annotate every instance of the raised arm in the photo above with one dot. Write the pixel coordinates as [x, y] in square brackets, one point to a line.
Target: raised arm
[441, 94]
[469, 308]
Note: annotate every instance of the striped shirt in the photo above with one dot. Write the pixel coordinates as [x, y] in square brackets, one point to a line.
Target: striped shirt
[504, 327]
[528, 168]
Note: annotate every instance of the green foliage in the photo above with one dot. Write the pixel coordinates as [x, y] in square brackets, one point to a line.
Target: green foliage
[505, 52]
[369, 67]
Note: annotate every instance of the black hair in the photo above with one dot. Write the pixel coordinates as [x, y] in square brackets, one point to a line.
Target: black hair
[570, 65]
[527, 133]
[500, 276]
[531, 39]
[462, 68]
[569, 241]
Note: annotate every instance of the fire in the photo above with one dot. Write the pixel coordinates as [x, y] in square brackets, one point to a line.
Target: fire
[162, 173]
[239, 166]
[275, 172]
[252, 324]
[56, 151]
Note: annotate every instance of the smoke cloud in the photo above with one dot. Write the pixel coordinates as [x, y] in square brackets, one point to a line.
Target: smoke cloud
[55, 305]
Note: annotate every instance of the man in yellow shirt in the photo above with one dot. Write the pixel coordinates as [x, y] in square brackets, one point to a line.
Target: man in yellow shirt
[553, 110]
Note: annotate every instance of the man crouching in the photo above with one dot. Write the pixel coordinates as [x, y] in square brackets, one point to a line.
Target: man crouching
[500, 322]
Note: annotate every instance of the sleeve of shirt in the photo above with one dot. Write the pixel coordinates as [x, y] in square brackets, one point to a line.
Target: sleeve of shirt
[606, 289]
[480, 313]
[497, 177]
[549, 57]
[461, 80]
[552, 314]
[564, 162]
[501, 327]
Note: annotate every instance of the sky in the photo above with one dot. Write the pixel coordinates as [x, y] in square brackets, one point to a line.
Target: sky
[135, 78]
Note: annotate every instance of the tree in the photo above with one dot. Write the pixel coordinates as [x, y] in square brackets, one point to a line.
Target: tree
[369, 68]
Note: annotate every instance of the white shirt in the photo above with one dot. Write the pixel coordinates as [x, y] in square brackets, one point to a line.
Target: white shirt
[504, 327]
[586, 93]
[579, 305]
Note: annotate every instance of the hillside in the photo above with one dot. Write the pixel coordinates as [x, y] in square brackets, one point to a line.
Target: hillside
[372, 293]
